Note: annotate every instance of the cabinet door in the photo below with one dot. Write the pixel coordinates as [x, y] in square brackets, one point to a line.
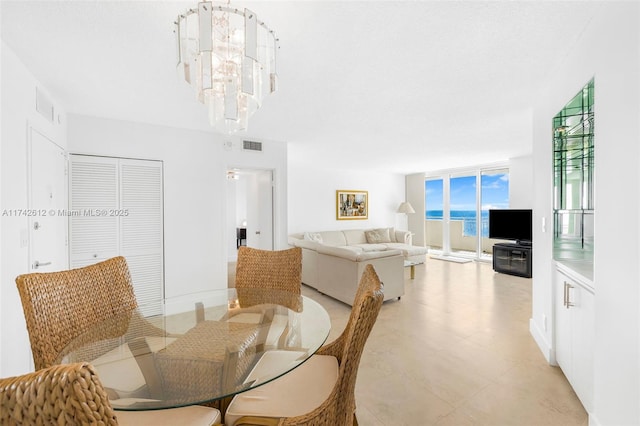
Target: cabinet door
[574, 329]
[562, 326]
[583, 326]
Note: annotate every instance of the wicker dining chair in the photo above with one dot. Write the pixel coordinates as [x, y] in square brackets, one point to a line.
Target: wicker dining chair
[60, 306]
[268, 269]
[258, 272]
[72, 394]
[324, 385]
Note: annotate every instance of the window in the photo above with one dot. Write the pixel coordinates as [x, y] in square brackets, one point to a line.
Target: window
[461, 201]
[494, 194]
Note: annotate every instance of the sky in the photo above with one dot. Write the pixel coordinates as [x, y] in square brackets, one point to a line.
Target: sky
[494, 193]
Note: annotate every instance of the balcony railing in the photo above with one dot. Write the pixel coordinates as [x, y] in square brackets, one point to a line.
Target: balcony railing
[461, 235]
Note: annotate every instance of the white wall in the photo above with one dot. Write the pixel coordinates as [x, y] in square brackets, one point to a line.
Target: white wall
[521, 182]
[195, 190]
[195, 165]
[18, 113]
[194, 179]
[312, 198]
[608, 50]
[416, 196]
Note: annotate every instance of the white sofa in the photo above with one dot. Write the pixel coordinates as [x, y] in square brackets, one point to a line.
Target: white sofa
[333, 261]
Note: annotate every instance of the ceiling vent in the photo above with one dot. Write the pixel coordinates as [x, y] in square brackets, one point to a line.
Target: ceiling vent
[252, 146]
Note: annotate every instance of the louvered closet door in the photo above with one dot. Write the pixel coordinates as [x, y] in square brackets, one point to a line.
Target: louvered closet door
[118, 210]
[142, 224]
[93, 189]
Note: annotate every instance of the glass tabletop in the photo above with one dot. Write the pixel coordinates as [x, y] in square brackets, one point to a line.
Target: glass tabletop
[201, 347]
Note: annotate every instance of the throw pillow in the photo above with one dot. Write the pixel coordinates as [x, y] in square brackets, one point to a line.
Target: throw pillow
[377, 236]
[392, 235]
[313, 236]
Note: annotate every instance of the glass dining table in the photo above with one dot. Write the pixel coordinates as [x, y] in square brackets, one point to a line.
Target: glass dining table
[200, 348]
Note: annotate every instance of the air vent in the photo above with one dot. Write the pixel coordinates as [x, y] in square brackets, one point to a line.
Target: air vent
[252, 146]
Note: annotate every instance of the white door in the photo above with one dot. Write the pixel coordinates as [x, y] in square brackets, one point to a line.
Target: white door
[260, 210]
[128, 194]
[47, 205]
[93, 188]
[141, 226]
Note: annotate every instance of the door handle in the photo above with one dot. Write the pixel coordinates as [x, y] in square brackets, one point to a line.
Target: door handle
[38, 264]
[257, 232]
[567, 302]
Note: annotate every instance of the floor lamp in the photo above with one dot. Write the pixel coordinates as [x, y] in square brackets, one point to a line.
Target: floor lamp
[406, 208]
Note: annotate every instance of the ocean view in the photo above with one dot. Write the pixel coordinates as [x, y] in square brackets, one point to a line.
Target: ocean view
[469, 218]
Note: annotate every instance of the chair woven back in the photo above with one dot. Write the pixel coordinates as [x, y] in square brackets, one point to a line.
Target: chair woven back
[70, 394]
[339, 408]
[265, 269]
[59, 306]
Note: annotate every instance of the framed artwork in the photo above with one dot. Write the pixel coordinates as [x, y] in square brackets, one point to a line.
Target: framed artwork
[352, 205]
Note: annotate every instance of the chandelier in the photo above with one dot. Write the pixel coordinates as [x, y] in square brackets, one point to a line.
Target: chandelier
[229, 57]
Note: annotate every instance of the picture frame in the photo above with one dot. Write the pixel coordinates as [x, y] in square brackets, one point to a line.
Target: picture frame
[352, 204]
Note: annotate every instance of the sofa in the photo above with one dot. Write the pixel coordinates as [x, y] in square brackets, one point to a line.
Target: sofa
[333, 261]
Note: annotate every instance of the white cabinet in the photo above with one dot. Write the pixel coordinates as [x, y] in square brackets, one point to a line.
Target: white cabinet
[574, 331]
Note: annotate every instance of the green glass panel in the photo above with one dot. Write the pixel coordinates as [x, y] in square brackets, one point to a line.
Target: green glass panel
[573, 168]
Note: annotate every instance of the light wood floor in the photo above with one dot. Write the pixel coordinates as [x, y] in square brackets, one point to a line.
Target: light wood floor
[456, 350]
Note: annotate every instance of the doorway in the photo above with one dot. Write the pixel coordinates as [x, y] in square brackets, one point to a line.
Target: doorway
[250, 204]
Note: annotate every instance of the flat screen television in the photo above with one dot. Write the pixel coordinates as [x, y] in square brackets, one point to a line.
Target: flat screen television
[511, 224]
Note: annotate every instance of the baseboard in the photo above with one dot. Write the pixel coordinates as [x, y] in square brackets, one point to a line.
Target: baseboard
[593, 421]
[542, 342]
[550, 355]
[451, 258]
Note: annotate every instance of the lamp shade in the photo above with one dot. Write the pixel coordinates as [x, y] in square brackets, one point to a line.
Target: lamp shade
[405, 207]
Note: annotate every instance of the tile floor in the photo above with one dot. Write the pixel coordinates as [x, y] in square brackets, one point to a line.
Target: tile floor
[456, 350]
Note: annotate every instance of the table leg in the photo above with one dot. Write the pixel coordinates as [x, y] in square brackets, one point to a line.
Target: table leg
[144, 357]
[413, 271]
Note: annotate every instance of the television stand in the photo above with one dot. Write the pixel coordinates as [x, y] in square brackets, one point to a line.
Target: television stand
[513, 259]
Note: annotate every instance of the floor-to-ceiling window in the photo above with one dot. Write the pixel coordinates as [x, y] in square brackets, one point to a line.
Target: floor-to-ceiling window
[434, 214]
[457, 210]
[463, 206]
[494, 194]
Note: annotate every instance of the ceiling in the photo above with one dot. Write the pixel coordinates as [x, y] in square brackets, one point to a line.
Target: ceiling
[399, 86]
